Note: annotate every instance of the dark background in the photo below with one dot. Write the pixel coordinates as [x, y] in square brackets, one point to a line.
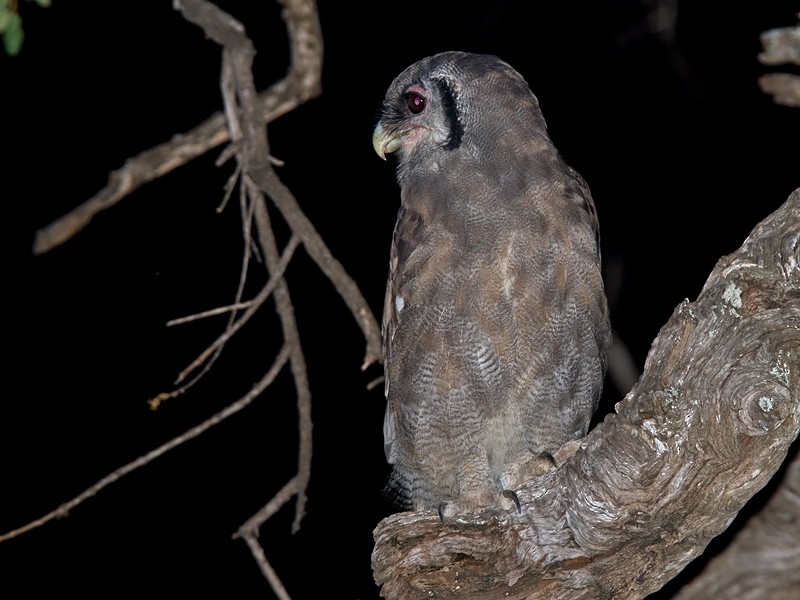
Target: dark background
[683, 153]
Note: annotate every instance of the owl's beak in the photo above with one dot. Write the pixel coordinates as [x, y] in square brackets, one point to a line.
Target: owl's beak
[386, 141]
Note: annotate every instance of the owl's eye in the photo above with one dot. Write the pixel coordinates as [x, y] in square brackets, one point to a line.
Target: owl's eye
[415, 102]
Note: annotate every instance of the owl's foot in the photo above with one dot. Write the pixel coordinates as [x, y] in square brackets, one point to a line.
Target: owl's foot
[502, 499]
[525, 468]
[512, 495]
[450, 509]
[568, 450]
[544, 461]
[442, 508]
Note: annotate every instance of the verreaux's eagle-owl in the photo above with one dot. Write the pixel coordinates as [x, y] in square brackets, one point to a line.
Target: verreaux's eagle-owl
[495, 322]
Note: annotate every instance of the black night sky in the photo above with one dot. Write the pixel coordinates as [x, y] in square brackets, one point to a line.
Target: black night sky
[683, 153]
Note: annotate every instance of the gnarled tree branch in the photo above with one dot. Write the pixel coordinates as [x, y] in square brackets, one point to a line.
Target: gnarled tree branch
[763, 560]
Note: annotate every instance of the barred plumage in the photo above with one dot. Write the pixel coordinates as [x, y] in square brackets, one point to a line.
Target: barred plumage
[495, 322]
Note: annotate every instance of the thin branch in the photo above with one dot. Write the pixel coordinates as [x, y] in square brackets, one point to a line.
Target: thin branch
[622, 369]
[253, 155]
[281, 497]
[375, 383]
[660, 21]
[275, 278]
[232, 326]
[212, 312]
[64, 509]
[286, 203]
[266, 569]
[151, 164]
[232, 180]
[302, 83]
[285, 310]
[215, 347]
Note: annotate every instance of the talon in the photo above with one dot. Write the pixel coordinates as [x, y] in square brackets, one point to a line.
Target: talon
[441, 511]
[512, 495]
[546, 456]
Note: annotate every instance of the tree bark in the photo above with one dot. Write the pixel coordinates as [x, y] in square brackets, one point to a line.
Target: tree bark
[763, 560]
[630, 505]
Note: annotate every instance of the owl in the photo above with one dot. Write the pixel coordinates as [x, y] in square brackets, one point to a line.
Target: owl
[495, 325]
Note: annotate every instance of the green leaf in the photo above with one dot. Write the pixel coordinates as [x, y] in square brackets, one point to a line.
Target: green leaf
[5, 18]
[3, 5]
[13, 36]
[43, 3]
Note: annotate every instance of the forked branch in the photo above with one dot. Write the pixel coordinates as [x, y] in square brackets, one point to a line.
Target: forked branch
[243, 124]
[302, 83]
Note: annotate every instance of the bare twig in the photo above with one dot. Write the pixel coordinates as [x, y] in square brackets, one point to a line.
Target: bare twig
[204, 359]
[266, 568]
[301, 84]
[253, 156]
[65, 508]
[659, 21]
[281, 497]
[286, 203]
[158, 161]
[243, 123]
[622, 369]
[233, 326]
[211, 312]
[285, 310]
[254, 305]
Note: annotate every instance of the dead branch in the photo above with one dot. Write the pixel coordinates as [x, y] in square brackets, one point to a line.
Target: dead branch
[216, 346]
[252, 152]
[707, 426]
[244, 401]
[245, 116]
[266, 569]
[781, 46]
[783, 87]
[298, 363]
[274, 281]
[302, 83]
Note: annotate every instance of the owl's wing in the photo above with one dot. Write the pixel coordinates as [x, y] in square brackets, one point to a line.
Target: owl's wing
[405, 238]
[586, 194]
[407, 234]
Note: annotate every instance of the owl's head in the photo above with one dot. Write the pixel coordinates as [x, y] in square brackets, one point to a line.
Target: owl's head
[455, 103]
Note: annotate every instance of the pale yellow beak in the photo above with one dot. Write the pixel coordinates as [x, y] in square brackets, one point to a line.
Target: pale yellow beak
[386, 141]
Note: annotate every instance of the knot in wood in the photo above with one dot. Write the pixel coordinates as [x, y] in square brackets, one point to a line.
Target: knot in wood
[763, 402]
